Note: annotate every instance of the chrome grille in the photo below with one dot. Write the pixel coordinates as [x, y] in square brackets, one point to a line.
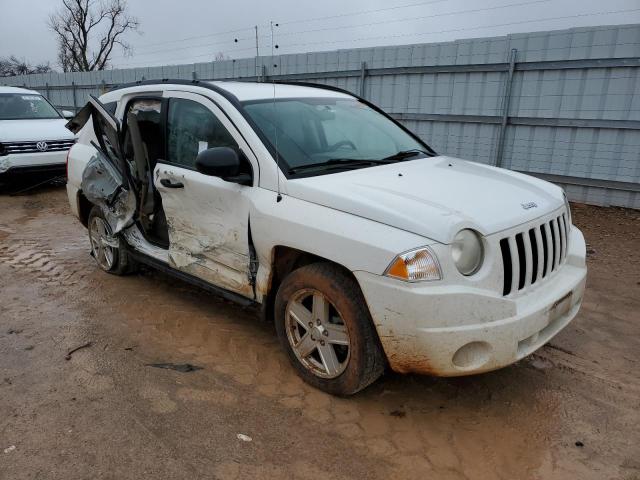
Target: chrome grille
[9, 148]
[530, 256]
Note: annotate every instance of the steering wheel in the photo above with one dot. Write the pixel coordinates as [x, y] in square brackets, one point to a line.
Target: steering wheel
[342, 143]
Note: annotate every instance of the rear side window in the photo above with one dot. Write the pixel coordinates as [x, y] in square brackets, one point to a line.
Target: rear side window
[192, 128]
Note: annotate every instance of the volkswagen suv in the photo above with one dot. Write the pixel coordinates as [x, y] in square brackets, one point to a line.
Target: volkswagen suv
[33, 137]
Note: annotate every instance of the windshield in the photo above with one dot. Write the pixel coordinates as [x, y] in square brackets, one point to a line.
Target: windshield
[25, 106]
[327, 131]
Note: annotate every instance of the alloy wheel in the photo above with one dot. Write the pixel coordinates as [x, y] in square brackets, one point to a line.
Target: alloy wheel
[317, 333]
[101, 243]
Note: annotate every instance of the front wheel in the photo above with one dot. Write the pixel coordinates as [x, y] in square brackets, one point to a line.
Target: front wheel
[108, 251]
[324, 325]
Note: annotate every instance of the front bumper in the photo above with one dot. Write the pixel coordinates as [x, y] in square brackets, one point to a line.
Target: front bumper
[447, 330]
[40, 162]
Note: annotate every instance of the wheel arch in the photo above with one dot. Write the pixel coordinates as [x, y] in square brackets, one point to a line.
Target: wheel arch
[284, 260]
[84, 208]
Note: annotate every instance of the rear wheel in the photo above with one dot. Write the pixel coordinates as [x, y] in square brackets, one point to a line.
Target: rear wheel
[109, 251]
[324, 325]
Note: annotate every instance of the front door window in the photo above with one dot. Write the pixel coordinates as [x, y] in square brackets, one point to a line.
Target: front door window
[192, 128]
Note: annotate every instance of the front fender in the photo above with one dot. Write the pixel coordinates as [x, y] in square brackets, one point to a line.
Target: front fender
[356, 243]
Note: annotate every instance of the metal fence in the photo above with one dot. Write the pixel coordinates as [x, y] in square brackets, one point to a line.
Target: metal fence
[563, 105]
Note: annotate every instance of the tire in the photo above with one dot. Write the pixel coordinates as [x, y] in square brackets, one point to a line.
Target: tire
[119, 262]
[295, 306]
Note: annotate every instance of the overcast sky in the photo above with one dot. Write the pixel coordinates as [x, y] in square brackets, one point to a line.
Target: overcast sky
[186, 31]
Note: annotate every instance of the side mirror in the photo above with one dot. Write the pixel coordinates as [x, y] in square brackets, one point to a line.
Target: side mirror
[67, 114]
[223, 162]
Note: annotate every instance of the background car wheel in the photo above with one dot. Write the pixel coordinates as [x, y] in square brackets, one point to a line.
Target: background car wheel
[108, 251]
[324, 325]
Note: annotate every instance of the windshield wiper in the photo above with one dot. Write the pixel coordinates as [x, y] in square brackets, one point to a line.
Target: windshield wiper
[404, 154]
[359, 162]
[339, 163]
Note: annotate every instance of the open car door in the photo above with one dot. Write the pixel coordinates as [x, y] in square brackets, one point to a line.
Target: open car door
[107, 180]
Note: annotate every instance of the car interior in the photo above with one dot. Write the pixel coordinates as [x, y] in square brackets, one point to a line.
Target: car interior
[143, 147]
[189, 128]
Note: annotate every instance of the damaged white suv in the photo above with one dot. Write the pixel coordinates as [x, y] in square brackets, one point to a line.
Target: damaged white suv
[364, 246]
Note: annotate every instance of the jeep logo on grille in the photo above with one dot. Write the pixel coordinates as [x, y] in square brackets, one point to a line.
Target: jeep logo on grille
[529, 205]
[42, 146]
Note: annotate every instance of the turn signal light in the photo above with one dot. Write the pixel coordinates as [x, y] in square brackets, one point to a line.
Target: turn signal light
[415, 266]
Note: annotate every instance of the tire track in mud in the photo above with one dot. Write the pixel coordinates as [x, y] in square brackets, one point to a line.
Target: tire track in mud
[389, 420]
[569, 361]
[51, 266]
[228, 344]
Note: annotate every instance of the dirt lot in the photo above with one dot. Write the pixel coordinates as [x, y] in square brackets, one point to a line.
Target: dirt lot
[570, 411]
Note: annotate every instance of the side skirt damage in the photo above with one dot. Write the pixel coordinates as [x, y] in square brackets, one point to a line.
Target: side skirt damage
[198, 282]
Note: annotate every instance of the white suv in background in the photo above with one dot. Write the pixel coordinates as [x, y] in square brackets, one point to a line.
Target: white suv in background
[362, 244]
[33, 137]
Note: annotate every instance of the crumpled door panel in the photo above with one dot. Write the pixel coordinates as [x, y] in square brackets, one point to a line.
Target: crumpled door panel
[102, 185]
[104, 180]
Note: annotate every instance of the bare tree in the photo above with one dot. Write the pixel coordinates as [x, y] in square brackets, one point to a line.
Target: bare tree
[221, 56]
[12, 65]
[88, 31]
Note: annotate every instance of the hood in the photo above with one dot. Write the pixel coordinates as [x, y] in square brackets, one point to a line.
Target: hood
[434, 197]
[34, 130]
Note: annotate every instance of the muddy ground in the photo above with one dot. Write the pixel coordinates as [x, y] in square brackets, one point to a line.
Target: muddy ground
[570, 411]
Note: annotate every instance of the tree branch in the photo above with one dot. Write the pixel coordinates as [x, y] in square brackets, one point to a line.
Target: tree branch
[79, 24]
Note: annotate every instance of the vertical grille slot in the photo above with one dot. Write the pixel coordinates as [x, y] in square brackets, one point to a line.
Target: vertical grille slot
[515, 264]
[545, 250]
[552, 247]
[563, 238]
[540, 248]
[567, 233]
[521, 261]
[506, 262]
[533, 241]
[556, 243]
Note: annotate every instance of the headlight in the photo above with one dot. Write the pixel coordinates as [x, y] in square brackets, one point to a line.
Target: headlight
[414, 266]
[467, 252]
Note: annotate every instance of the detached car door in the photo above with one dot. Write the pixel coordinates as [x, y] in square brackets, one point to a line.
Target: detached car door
[106, 180]
[207, 217]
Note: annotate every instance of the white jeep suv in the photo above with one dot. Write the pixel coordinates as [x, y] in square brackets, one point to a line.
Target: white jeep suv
[365, 247]
[33, 137]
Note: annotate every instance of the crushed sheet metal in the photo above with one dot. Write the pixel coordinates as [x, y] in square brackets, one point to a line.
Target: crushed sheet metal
[102, 185]
[209, 255]
[212, 272]
[134, 238]
[199, 242]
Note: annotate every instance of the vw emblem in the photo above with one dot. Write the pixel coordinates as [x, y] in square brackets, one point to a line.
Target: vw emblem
[42, 146]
